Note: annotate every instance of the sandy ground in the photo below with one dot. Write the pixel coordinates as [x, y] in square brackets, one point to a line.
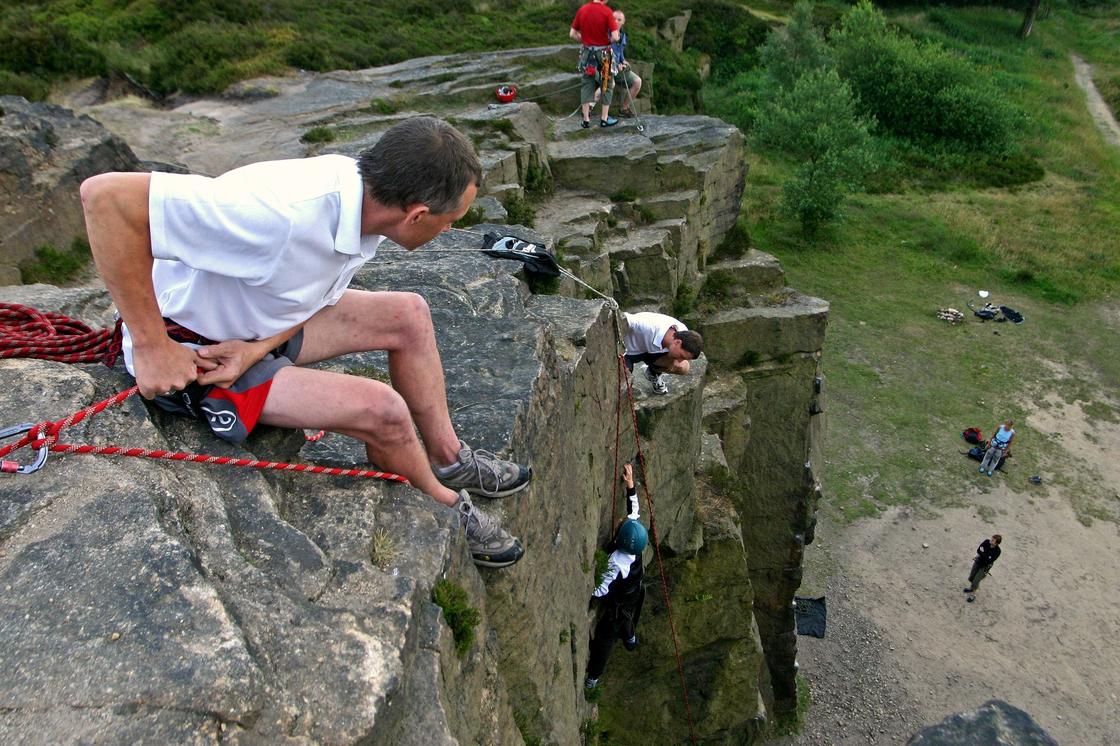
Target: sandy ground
[1098, 109]
[905, 649]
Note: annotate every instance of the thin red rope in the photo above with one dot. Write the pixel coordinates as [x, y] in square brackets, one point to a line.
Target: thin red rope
[46, 433]
[617, 442]
[660, 563]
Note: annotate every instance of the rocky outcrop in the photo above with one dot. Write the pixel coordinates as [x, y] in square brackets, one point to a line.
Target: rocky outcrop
[995, 722]
[45, 153]
[278, 608]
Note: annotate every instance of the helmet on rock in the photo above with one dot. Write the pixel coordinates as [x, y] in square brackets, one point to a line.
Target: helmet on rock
[505, 93]
[632, 537]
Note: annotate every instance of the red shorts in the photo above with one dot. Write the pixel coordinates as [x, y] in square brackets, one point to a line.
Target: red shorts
[232, 413]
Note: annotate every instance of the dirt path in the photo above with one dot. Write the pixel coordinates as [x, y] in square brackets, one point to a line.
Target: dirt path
[1102, 115]
[905, 649]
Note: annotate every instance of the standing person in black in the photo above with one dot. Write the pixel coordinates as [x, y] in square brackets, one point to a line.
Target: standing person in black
[620, 592]
[986, 555]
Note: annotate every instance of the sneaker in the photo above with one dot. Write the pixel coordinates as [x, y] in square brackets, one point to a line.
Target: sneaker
[590, 683]
[981, 470]
[585, 123]
[608, 122]
[631, 643]
[972, 599]
[989, 472]
[490, 544]
[968, 590]
[482, 473]
[659, 386]
[626, 114]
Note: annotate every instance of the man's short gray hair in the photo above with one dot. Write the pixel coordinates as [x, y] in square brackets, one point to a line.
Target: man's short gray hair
[421, 161]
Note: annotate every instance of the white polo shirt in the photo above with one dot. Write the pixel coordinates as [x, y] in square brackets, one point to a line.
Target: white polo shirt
[257, 250]
[646, 330]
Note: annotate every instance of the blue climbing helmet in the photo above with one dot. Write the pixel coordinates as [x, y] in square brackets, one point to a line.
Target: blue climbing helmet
[632, 537]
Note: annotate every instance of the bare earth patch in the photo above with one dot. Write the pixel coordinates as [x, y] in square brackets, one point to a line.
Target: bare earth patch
[905, 649]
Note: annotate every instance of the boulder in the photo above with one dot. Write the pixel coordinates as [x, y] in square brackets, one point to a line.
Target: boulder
[46, 152]
[995, 722]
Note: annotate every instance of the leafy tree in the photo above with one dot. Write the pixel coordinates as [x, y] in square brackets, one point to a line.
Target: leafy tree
[795, 49]
[816, 122]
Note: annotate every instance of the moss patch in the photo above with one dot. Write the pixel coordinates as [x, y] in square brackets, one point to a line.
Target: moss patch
[460, 616]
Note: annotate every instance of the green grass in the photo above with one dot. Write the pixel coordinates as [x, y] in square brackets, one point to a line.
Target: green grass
[54, 266]
[901, 384]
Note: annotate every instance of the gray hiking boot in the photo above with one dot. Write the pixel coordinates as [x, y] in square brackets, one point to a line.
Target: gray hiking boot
[490, 544]
[659, 386]
[482, 473]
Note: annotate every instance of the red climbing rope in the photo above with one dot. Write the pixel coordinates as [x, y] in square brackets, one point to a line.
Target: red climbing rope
[45, 434]
[26, 332]
[617, 434]
[656, 541]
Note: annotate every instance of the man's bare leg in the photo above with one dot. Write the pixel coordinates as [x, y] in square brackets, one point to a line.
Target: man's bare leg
[361, 408]
[401, 324]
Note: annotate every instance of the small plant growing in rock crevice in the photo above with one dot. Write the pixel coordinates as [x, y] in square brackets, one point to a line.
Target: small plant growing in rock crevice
[600, 566]
[318, 135]
[472, 216]
[460, 616]
[383, 548]
[55, 267]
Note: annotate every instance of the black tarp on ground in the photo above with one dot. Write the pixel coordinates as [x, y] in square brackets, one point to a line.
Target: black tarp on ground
[812, 616]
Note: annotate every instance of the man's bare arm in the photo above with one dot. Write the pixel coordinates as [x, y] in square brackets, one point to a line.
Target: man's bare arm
[575, 35]
[116, 213]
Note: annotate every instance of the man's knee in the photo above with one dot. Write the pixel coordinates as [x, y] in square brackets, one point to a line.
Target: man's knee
[384, 412]
[415, 315]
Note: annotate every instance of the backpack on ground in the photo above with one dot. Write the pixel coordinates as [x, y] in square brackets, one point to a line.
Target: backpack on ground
[973, 435]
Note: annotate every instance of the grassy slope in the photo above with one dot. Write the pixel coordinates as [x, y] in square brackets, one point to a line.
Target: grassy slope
[903, 384]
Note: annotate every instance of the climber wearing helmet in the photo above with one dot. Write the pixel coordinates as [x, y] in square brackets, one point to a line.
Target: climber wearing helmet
[620, 592]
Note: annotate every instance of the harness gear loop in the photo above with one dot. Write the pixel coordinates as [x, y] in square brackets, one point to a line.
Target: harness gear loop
[13, 467]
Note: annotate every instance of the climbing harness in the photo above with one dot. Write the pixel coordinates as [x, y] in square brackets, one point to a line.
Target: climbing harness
[28, 333]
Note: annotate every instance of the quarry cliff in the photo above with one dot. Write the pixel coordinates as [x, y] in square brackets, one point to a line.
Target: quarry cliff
[157, 602]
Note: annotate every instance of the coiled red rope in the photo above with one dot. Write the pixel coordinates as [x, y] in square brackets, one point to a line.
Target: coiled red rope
[28, 333]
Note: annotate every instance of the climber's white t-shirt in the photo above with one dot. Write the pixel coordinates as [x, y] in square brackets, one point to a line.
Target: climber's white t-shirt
[647, 330]
[257, 250]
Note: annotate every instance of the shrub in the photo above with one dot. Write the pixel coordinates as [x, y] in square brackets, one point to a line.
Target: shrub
[816, 124]
[460, 616]
[54, 266]
[31, 87]
[684, 301]
[795, 49]
[318, 135]
[520, 211]
[920, 90]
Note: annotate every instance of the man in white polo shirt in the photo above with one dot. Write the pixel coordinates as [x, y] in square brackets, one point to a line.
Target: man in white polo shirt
[227, 287]
[664, 344]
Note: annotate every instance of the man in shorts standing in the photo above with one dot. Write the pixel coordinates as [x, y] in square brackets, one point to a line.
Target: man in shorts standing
[227, 287]
[664, 344]
[594, 27]
[626, 77]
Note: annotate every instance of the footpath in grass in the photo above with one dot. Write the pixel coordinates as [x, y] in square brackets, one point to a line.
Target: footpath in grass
[901, 383]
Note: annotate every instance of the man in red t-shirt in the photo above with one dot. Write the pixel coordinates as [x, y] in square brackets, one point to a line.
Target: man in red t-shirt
[595, 28]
